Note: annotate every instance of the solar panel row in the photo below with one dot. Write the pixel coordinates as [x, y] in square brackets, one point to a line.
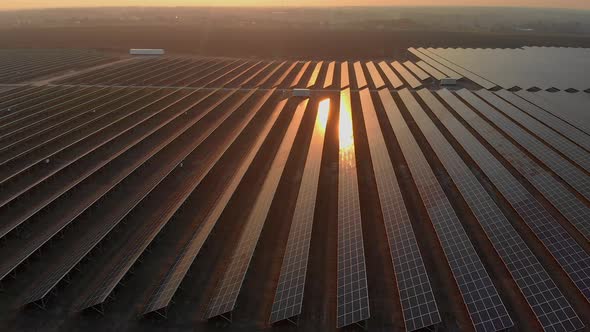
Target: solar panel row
[553, 312]
[24, 65]
[375, 76]
[170, 180]
[464, 72]
[570, 256]
[568, 172]
[406, 75]
[353, 294]
[169, 284]
[128, 165]
[228, 288]
[85, 172]
[111, 167]
[557, 194]
[551, 138]
[572, 133]
[479, 293]
[419, 306]
[289, 293]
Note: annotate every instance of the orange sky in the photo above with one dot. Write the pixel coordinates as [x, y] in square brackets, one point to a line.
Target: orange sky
[17, 4]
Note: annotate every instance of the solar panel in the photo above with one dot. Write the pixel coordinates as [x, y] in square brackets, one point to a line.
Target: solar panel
[421, 74]
[299, 76]
[216, 78]
[204, 79]
[68, 110]
[149, 191]
[271, 74]
[84, 243]
[288, 298]
[561, 198]
[418, 303]
[169, 284]
[228, 288]
[550, 137]
[241, 72]
[315, 74]
[410, 79]
[483, 303]
[330, 75]
[22, 211]
[344, 75]
[75, 175]
[285, 74]
[567, 171]
[43, 131]
[562, 105]
[431, 70]
[36, 106]
[445, 70]
[554, 312]
[353, 294]
[16, 162]
[391, 76]
[375, 76]
[195, 76]
[464, 72]
[361, 81]
[570, 256]
[12, 188]
[253, 76]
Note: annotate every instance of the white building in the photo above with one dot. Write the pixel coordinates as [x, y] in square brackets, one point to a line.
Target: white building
[301, 93]
[146, 51]
[448, 82]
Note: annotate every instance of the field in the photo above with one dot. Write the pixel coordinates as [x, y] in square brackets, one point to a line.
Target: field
[272, 42]
[196, 193]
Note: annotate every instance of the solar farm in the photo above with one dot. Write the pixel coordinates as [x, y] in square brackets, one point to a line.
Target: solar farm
[198, 193]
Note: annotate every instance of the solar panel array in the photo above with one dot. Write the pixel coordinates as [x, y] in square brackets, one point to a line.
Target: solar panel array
[566, 170]
[542, 294]
[86, 243]
[229, 286]
[526, 67]
[17, 66]
[159, 215]
[406, 75]
[314, 75]
[559, 243]
[557, 194]
[288, 299]
[432, 58]
[485, 306]
[232, 73]
[115, 181]
[170, 283]
[353, 294]
[361, 81]
[559, 143]
[330, 75]
[569, 131]
[417, 299]
[568, 107]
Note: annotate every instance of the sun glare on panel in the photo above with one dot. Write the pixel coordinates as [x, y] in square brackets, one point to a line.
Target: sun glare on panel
[323, 113]
[345, 124]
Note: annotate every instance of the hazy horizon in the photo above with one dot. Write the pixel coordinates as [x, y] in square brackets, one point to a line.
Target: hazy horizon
[40, 4]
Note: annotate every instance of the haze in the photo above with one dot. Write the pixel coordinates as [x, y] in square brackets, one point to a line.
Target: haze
[24, 4]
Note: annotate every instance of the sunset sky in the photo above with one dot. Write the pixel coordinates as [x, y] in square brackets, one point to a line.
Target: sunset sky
[18, 4]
